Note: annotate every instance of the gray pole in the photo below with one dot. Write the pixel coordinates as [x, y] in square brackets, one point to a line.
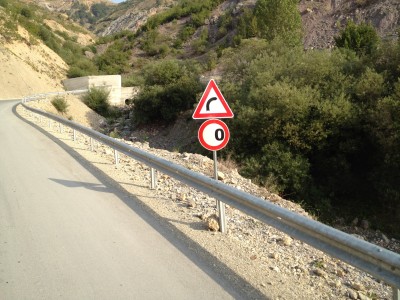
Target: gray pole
[220, 205]
[396, 293]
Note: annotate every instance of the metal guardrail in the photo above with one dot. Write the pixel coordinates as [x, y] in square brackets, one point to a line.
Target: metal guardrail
[377, 261]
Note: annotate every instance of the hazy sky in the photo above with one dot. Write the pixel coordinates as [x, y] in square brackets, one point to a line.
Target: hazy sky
[117, 1]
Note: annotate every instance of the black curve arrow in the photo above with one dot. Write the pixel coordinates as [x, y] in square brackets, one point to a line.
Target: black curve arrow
[209, 101]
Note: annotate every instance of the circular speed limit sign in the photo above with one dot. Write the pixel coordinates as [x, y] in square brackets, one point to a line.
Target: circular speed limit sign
[213, 134]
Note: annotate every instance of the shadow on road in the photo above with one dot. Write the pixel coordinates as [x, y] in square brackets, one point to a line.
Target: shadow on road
[78, 184]
[236, 286]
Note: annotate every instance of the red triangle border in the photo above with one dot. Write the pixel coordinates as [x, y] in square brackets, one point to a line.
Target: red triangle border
[197, 115]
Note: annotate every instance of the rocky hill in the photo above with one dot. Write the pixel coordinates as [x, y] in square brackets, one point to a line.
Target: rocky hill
[64, 5]
[322, 19]
[131, 15]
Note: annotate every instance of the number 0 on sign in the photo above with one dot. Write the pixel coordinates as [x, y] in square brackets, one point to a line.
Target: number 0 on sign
[213, 135]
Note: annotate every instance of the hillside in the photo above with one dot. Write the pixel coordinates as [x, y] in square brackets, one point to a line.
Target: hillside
[26, 70]
[26, 67]
[131, 15]
[37, 47]
[321, 19]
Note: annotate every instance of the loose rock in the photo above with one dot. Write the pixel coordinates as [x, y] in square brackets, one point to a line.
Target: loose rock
[213, 223]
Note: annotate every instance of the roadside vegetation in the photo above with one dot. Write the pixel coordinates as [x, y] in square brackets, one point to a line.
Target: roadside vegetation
[321, 126]
[60, 104]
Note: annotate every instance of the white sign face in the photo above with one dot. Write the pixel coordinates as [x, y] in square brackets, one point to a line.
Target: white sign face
[213, 135]
[212, 104]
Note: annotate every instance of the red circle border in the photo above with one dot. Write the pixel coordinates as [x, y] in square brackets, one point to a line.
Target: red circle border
[203, 142]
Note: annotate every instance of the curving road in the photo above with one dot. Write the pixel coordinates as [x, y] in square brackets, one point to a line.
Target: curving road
[64, 234]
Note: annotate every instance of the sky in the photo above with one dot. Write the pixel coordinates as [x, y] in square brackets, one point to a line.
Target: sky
[117, 1]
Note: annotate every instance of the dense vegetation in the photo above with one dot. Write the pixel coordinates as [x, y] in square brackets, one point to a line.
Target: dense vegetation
[170, 87]
[320, 127]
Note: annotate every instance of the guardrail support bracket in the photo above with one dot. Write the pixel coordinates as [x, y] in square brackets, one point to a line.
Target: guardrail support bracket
[116, 157]
[153, 183]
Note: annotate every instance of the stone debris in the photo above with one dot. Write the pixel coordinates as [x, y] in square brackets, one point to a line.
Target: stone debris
[320, 273]
[352, 294]
[358, 286]
[213, 223]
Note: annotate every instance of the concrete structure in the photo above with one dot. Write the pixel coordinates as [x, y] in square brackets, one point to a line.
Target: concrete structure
[118, 94]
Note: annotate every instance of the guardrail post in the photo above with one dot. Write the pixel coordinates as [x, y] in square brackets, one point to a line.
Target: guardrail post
[50, 124]
[60, 127]
[396, 293]
[153, 183]
[74, 135]
[116, 158]
[91, 144]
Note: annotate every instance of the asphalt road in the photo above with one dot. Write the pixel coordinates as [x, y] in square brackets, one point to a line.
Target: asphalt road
[66, 235]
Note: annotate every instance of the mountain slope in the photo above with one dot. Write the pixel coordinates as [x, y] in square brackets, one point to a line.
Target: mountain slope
[28, 34]
[26, 67]
[321, 19]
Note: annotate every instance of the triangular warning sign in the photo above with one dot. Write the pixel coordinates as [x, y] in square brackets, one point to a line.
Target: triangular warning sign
[212, 104]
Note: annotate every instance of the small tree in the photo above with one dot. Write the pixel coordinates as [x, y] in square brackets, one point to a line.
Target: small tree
[278, 18]
[97, 99]
[362, 38]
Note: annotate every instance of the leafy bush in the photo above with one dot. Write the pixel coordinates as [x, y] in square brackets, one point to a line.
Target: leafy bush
[272, 19]
[27, 13]
[362, 38]
[60, 104]
[198, 10]
[97, 99]
[4, 3]
[99, 10]
[115, 60]
[323, 125]
[170, 87]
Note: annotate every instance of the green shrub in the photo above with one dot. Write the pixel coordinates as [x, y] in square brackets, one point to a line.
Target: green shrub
[115, 60]
[27, 13]
[97, 99]
[3, 3]
[362, 38]
[60, 104]
[82, 67]
[170, 87]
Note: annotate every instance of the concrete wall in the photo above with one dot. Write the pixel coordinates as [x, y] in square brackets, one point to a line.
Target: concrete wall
[129, 92]
[73, 84]
[118, 95]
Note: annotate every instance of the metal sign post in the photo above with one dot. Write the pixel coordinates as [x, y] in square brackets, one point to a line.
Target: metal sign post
[213, 133]
[220, 205]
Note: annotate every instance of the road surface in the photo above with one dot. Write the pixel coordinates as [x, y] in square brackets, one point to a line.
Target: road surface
[64, 234]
